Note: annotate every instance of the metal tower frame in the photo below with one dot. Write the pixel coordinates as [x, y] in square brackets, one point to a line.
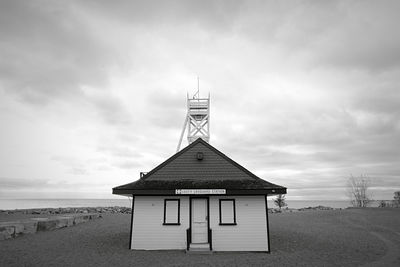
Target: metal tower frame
[197, 119]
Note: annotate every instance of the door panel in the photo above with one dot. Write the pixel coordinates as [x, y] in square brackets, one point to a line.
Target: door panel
[199, 221]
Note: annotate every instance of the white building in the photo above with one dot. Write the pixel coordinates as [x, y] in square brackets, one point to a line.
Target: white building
[200, 199]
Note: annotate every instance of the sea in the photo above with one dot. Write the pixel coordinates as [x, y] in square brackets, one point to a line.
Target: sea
[11, 204]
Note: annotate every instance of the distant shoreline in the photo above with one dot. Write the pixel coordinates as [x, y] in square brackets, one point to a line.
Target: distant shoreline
[111, 209]
[20, 214]
[11, 204]
[120, 209]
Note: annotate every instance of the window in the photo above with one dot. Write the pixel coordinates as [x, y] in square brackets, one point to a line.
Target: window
[172, 211]
[227, 212]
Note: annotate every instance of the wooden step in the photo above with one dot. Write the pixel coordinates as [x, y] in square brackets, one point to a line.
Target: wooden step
[199, 248]
[200, 245]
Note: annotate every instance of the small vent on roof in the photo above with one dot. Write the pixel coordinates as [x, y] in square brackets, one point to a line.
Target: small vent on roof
[200, 155]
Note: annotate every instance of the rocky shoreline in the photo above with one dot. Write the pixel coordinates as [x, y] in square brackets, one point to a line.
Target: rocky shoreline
[72, 210]
[126, 210]
[276, 210]
[14, 223]
[13, 229]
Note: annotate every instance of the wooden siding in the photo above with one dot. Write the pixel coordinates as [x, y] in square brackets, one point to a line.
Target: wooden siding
[149, 233]
[250, 233]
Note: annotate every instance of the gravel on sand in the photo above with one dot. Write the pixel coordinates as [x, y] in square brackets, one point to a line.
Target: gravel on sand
[351, 237]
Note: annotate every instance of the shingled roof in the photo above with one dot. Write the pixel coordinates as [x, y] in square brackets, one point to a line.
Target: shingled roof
[185, 170]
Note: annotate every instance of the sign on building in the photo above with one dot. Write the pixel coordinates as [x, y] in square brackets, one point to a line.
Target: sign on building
[200, 191]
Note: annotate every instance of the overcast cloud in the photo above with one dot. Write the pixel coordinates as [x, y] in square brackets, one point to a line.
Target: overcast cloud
[303, 93]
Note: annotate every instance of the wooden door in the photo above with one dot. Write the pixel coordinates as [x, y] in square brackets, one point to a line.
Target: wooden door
[199, 220]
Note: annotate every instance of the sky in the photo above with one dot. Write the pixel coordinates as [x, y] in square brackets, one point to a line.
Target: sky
[303, 93]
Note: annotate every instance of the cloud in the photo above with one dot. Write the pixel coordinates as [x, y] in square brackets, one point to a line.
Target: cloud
[363, 39]
[111, 109]
[47, 51]
[119, 151]
[39, 184]
[217, 15]
[78, 171]
[18, 188]
[167, 109]
[303, 93]
[12, 183]
[74, 165]
[129, 164]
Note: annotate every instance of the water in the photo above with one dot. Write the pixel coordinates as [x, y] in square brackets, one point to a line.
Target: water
[8, 204]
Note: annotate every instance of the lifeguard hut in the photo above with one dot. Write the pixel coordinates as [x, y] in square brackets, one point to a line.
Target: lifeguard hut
[197, 119]
[199, 199]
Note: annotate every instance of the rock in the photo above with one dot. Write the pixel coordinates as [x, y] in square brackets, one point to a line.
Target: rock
[61, 222]
[94, 216]
[64, 221]
[44, 224]
[7, 232]
[30, 226]
[19, 228]
[16, 225]
[48, 224]
[81, 219]
[15, 228]
[83, 210]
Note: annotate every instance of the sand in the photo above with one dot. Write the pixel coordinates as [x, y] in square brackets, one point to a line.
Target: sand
[351, 237]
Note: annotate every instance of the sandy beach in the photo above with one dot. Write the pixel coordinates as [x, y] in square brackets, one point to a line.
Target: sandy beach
[351, 237]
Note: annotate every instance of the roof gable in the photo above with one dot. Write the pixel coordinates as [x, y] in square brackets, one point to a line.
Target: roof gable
[185, 171]
[185, 166]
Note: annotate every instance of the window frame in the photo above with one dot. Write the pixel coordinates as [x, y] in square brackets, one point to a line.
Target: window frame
[165, 211]
[234, 211]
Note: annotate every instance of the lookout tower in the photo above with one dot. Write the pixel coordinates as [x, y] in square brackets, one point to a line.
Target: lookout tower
[197, 119]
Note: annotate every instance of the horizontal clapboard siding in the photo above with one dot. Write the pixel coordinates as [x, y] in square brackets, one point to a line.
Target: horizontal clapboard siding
[149, 233]
[250, 233]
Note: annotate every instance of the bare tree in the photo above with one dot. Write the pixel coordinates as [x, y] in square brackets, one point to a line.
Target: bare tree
[396, 200]
[383, 204]
[357, 190]
[280, 201]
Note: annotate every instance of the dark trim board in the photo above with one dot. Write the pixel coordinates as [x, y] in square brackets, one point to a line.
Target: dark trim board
[208, 216]
[179, 211]
[209, 231]
[266, 215]
[130, 235]
[234, 211]
[171, 192]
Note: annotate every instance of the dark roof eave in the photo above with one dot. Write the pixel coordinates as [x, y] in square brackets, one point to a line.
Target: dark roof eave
[171, 192]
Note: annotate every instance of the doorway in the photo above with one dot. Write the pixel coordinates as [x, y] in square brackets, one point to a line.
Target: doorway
[199, 220]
